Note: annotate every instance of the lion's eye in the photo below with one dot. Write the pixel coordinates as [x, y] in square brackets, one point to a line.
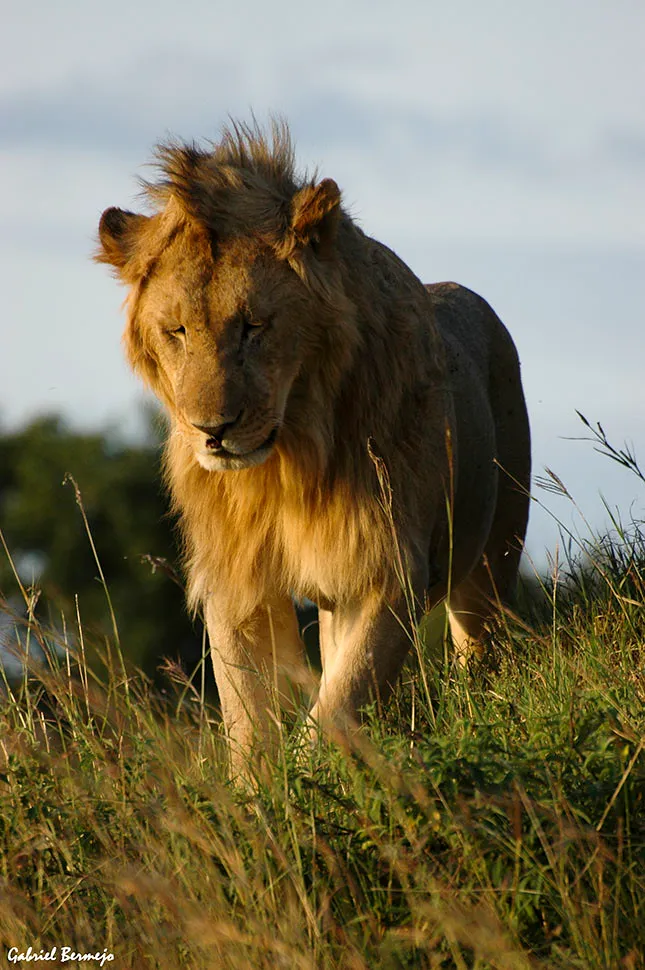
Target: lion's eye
[252, 326]
[177, 332]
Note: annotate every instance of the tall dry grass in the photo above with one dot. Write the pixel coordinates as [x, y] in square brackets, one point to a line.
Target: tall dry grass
[491, 818]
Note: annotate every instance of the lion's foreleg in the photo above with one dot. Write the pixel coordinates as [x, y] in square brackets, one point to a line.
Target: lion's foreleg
[259, 666]
[365, 645]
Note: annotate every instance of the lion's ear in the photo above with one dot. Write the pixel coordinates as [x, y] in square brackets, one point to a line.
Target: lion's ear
[315, 211]
[118, 231]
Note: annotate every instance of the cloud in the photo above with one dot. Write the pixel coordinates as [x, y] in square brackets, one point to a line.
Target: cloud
[449, 135]
[190, 95]
[623, 148]
[116, 113]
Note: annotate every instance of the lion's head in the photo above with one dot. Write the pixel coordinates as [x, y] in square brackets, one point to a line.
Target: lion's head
[234, 292]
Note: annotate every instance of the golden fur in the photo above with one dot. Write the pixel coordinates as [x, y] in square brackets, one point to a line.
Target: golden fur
[297, 357]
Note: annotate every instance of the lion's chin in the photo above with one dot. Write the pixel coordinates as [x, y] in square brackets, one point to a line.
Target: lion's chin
[223, 460]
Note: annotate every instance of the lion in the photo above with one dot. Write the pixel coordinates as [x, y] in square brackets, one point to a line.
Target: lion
[338, 431]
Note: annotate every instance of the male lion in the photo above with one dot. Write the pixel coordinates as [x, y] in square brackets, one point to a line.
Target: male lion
[338, 431]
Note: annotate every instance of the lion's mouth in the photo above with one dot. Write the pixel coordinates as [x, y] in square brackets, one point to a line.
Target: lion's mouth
[214, 444]
[216, 447]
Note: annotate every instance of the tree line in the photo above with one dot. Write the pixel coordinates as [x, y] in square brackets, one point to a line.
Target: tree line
[56, 484]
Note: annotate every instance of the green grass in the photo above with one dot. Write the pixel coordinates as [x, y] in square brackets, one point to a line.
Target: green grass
[490, 818]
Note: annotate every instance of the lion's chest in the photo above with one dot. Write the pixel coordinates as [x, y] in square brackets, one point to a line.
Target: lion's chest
[330, 552]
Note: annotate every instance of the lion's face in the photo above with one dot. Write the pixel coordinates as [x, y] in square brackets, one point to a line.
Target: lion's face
[228, 335]
[222, 309]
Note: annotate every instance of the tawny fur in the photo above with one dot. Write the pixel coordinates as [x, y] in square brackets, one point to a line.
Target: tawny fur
[374, 430]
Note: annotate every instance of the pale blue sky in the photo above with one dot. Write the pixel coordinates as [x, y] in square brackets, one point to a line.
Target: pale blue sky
[498, 144]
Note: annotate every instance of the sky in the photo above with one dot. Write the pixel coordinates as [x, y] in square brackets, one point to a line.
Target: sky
[501, 145]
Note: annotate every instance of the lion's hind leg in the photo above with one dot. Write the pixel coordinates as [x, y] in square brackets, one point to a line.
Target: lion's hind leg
[491, 584]
[479, 599]
[473, 607]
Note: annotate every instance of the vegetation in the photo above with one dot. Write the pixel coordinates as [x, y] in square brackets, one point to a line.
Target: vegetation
[126, 512]
[491, 818]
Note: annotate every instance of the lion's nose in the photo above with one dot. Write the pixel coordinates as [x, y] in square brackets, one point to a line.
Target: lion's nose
[216, 433]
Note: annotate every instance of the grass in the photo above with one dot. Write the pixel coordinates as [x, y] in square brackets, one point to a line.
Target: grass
[492, 818]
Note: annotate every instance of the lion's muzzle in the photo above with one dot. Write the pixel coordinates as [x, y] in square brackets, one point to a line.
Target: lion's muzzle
[222, 451]
[215, 434]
